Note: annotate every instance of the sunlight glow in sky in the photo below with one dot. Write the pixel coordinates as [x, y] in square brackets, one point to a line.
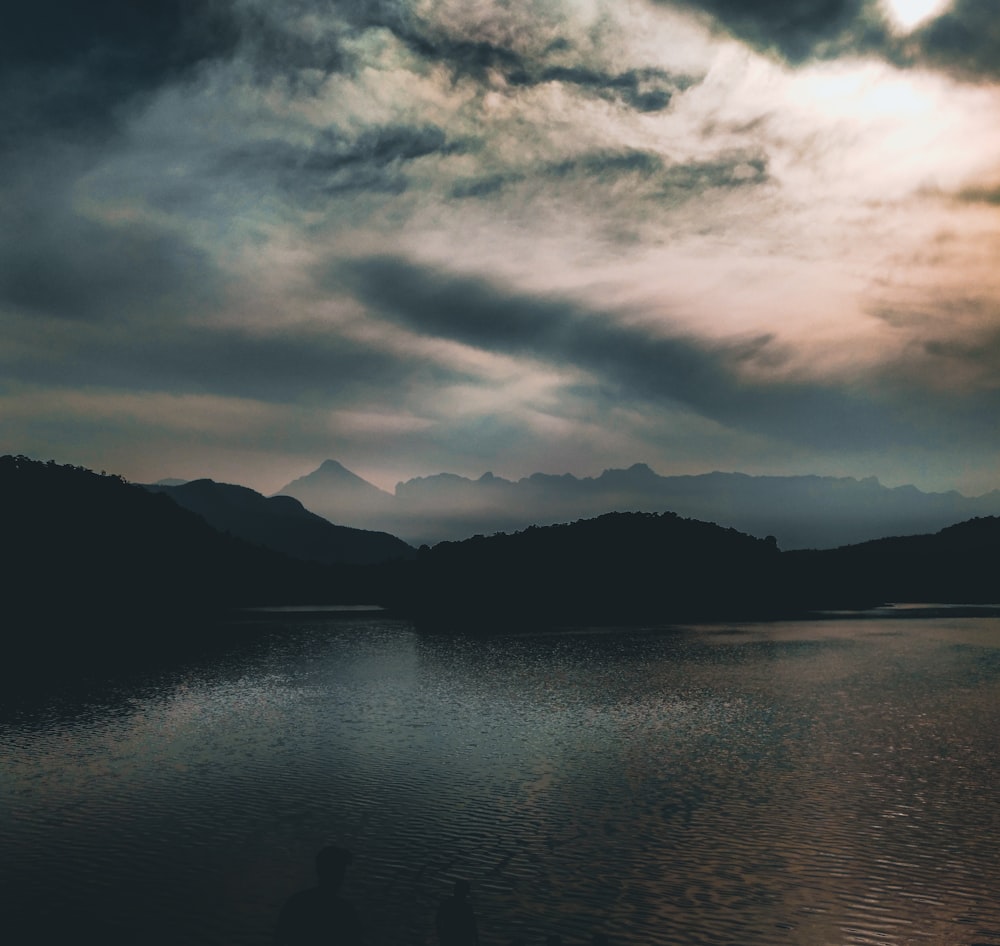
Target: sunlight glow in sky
[909, 14]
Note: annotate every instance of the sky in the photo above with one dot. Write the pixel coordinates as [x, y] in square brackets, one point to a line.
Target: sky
[242, 236]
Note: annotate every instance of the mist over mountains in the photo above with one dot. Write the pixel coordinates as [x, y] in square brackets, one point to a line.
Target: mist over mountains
[799, 511]
[94, 565]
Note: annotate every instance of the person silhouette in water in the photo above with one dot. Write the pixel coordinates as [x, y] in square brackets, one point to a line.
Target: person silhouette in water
[318, 916]
[456, 923]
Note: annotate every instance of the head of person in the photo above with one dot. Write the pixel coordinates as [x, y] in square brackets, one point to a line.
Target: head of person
[461, 889]
[331, 866]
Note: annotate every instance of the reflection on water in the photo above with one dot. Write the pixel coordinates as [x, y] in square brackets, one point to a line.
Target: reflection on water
[814, 784]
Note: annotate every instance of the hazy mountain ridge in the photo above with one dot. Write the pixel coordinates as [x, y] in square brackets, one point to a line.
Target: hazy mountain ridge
[807, 511]
[87, 552]
[331, 474]
[283, 523]
[616, 568]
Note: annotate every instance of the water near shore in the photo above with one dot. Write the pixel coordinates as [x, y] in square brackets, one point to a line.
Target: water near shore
[819, 783]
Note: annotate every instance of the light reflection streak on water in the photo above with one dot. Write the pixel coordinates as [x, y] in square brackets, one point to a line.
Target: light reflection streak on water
[810, 784]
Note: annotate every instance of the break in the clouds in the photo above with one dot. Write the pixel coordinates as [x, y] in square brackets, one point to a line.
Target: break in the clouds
[423, 235]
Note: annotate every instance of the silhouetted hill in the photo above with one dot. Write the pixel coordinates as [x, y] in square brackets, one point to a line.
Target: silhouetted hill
[84, 551]
[617, 568]
[283, 524]
[627, 568]
[960, 564]
[800, 511]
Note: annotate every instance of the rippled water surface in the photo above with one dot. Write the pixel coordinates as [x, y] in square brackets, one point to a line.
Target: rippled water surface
[817, 783]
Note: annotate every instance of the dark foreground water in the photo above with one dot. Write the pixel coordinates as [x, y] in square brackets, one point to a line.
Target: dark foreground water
[792, 783]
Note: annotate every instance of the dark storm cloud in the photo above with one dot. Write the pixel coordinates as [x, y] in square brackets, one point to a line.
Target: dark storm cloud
[965, 40]
[68, 267]
[981, 195]
[486, 186]
[671, 181]
[797, 29]
[301, 364]
[137, 39]
[464, 56]
[705, 378]
[275, 45]
[609, 163]
[68, 65]
[646, 90]
[386, 145]
[298, 364]
[57, 262]
[372, 160]
[680, 180]
[474, 59]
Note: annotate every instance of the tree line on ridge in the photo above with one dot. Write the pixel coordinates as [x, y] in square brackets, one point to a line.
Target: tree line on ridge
[79, 544]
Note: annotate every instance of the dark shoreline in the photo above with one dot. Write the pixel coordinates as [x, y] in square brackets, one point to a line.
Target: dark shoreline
[914, 610]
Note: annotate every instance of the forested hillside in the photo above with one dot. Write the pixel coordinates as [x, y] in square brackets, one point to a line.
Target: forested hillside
[84, 551]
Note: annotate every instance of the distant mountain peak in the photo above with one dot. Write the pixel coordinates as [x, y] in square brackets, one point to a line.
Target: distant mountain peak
[491, 478]
[332, 472]
[801, 511]
[335, 468]
[635, 473]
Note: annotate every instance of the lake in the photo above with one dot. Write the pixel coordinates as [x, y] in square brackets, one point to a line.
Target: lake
[812, 783]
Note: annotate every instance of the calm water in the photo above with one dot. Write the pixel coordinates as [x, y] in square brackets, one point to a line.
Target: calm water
[794, 783]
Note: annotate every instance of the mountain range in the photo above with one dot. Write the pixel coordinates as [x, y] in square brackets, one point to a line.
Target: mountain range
[91, 559]
[799, 511]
